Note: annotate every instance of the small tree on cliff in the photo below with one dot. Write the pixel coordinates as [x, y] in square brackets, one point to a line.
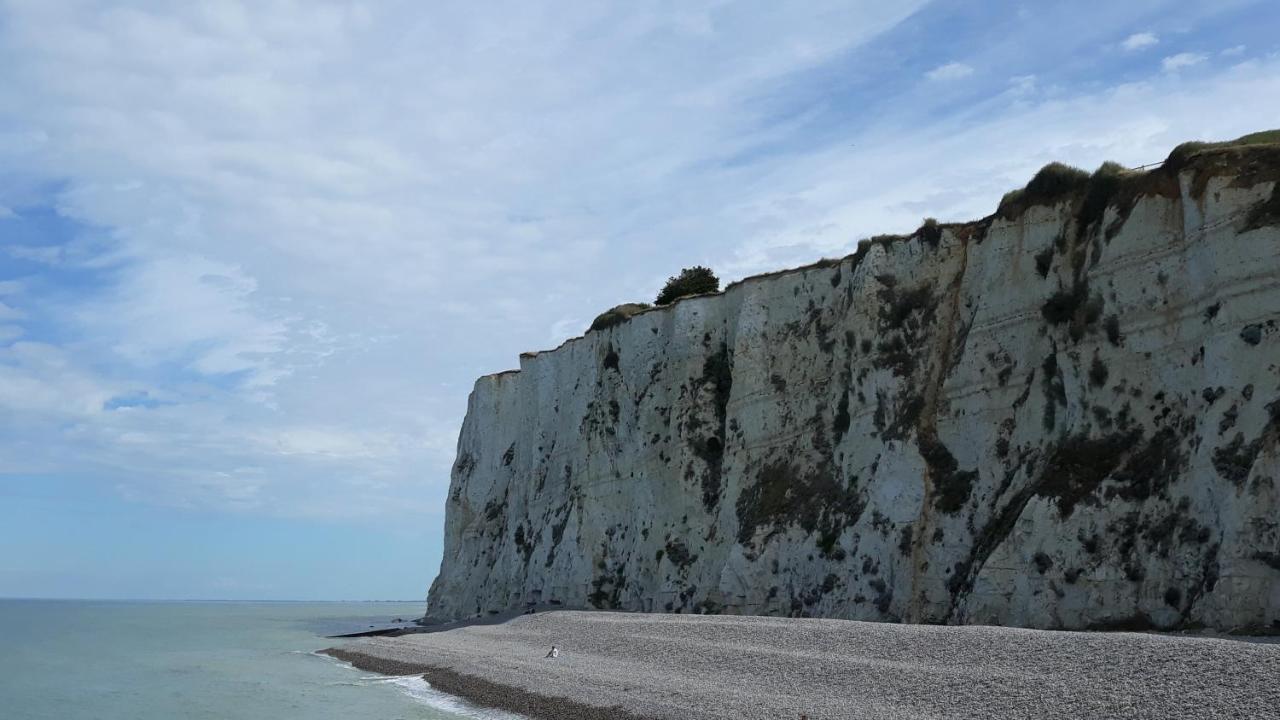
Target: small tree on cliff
[691, 281]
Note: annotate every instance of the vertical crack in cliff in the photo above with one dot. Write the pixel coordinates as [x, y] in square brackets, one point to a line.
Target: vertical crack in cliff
[1074, 308]
[939, 463]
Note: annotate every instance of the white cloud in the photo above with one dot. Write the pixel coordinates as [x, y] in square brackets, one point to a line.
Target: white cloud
[8, 312]
[887, 182]
[1236, 51]
[1174, 63]
[1022, 84]
[313, 229]
[329, 442]
[565, 328]
[950, 71]
[47, 255]
[194, 312]
[39, 381]
[6, 213]
[1138, 41]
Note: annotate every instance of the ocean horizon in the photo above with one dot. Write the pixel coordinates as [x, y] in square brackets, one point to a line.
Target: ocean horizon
[149, 659]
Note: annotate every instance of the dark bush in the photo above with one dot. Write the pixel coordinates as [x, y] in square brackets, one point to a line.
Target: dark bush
[1109, 168]
[1053, 182]
[617, 314]
[695, 280]
[1103, 186]
[930, 232]
[1180, 154]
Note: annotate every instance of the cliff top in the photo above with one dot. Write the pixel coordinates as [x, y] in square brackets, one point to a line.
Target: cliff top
[1253, 158]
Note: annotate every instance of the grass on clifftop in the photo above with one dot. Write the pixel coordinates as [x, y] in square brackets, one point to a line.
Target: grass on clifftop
[1057, 181]
[617, 314]
[1180, 154]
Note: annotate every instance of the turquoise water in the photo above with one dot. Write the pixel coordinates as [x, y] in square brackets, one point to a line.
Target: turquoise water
[67, 660]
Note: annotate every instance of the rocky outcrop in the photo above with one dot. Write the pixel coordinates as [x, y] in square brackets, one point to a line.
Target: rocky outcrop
[1065, 415]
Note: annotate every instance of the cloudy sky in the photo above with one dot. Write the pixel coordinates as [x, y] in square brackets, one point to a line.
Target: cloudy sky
[253, 254]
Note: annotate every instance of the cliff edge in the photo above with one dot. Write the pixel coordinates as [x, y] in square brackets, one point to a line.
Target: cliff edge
[1064, 415]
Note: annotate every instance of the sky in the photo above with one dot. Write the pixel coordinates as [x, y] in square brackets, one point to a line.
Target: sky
[254, 254]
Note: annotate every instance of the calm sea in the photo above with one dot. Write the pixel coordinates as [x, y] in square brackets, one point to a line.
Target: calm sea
[67, 660]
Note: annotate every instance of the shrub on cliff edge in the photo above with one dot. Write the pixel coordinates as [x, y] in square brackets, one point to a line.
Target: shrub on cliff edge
[930, 232]
[617, 314]
[694, 280]
[1052, 183]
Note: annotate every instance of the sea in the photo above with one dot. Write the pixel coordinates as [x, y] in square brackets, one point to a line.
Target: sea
[139, 660]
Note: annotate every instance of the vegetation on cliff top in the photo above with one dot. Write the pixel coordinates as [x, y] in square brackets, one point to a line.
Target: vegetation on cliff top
[1112, 183]
[617, 314]
[694, 280]
[1056, 181]
[1182, 153]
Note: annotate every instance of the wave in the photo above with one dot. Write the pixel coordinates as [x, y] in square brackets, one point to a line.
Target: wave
[421, 691]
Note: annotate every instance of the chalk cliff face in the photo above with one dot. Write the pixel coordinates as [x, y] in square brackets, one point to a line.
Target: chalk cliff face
[1065, 415]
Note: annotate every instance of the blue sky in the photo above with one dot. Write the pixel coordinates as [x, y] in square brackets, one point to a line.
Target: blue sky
[254, 254]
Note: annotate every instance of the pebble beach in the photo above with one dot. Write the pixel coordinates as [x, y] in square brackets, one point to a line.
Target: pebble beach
[631, 665]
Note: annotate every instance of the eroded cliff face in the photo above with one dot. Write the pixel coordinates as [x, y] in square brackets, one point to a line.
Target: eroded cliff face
[1065, 415]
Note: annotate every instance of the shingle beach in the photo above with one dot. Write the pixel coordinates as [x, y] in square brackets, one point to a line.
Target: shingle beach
[624, 665]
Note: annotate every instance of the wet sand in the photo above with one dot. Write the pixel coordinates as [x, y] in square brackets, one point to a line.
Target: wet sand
[626, 666]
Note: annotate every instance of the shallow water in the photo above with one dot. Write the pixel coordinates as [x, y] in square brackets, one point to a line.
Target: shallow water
[151, 660]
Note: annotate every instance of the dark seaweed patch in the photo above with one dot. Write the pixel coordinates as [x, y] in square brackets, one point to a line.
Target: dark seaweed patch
[951, 486]
[611, 358]
[1055, 391]
[1251, 334]
[905, 539]
[1234, 460]
[678, 553]
[717, 374]
[1112, 327]
[1044, 260]
[1150, 470]
[816, 501]
[1043, 562]
[1097, 372]
[1264, 213]
[1079, 464]
[841, 423]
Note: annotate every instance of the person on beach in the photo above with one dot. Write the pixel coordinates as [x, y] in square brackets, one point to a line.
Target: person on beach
[554, 653]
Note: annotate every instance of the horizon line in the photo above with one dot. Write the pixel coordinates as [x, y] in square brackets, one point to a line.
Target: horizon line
[198, 600]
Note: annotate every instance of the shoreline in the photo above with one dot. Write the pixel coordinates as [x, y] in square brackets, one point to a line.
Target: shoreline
[484, 693]
[634, 666]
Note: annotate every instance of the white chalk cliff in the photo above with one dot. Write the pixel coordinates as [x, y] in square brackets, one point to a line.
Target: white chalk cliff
[1065, 415]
